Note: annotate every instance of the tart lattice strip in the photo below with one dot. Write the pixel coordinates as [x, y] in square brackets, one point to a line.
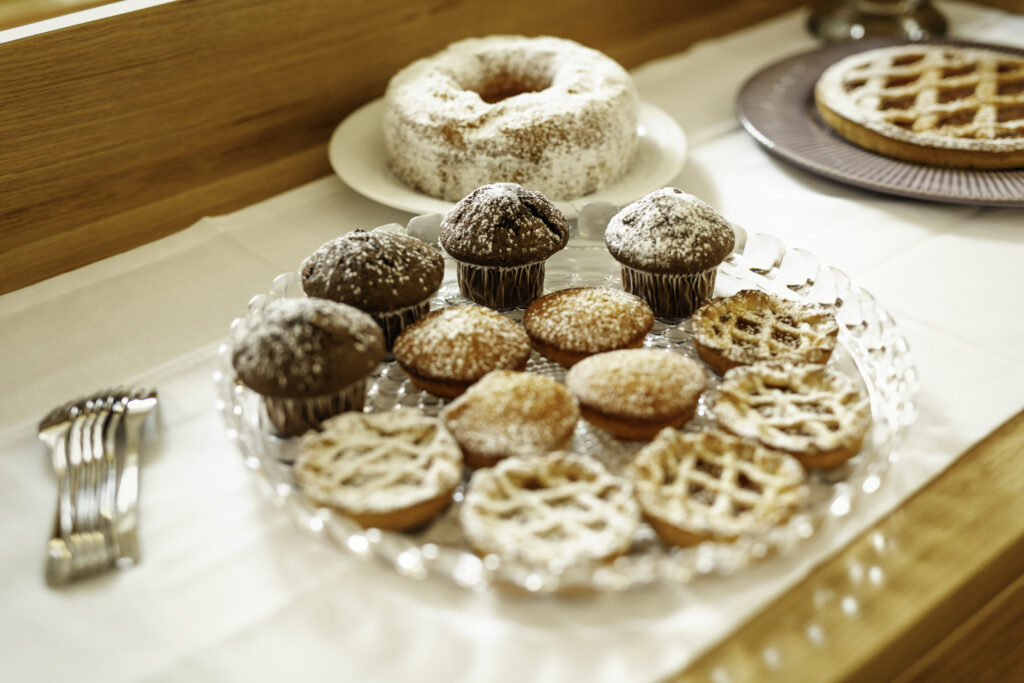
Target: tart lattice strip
[937, 92]
[581, 506]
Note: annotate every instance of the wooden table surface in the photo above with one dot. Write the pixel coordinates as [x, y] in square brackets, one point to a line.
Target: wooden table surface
[122, 131]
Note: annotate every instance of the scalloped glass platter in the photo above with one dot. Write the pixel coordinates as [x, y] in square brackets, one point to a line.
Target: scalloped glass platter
[870, 349]
[357, 155]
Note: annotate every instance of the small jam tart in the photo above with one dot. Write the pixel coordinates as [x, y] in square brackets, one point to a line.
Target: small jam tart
[511, 413]
[449, 349]
[812, 412]
[556, 508]
[635, 393]
[713, 486]
[753, 326]
[569, 325]
[392, 470]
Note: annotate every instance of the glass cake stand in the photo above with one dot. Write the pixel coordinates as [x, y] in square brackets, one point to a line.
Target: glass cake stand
[870, 349]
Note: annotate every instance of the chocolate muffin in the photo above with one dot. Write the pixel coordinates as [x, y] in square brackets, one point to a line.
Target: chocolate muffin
[669, 244]
[500, 236]
[307, 358]
[389, 275]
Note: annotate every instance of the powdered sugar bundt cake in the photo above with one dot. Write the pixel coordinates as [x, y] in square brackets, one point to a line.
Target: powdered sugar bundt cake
[546, 113]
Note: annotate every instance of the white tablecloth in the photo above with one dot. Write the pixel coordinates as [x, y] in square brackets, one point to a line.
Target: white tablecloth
[231, 589]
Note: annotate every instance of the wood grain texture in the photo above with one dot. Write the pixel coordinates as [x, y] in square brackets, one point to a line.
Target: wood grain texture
[121, 131]
[932, 592]
[20, 12]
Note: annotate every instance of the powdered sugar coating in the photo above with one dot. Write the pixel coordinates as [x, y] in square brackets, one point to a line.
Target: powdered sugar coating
[543, 112]
[461, 343]
[512, 413]
[378, 463]
[503, 224]
[906, 93]
[374, 271]
[560, 507]
[300, 348]
[588, 319]
[637, 383]
[669, 231]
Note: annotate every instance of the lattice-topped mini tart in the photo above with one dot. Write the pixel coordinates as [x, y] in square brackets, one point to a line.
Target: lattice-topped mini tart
[812, 412]
[935, 104]
[711, 485]
[752, 326]
[393, 470]
[556, 507]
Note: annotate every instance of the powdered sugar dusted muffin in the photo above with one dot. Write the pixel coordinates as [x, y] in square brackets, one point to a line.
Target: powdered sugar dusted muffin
[307, 358]
[511, 413]
[670, 245]
[389, 275]
[543, 112]
[635, 393]
[449, 349]
[569, 325]
[501, 235]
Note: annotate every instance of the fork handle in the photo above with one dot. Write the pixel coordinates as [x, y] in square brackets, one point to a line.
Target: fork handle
[64, 518]
[78, 556]
[128, 489]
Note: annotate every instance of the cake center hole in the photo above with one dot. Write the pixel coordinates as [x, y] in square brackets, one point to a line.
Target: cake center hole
[502, 85]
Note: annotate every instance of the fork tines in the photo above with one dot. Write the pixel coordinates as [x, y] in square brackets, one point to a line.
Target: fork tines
[92, 532]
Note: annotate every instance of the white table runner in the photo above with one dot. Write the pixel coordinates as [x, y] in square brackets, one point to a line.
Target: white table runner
[231, 589]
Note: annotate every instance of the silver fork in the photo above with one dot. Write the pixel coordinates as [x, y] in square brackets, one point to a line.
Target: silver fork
[53, 431]
[136, 407]
[114, 409]
[75, 548]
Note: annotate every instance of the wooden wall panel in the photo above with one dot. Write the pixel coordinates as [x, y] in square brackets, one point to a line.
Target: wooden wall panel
[120, 131]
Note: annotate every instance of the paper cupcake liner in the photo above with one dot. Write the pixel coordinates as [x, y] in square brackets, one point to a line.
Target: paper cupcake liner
[393, 322]
[670, 295]
[296, 416]
[501, 286]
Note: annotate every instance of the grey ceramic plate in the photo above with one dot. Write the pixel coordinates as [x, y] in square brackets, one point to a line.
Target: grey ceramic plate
[776, 106]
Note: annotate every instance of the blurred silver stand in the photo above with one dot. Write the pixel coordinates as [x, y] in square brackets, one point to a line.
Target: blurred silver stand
[835, 20]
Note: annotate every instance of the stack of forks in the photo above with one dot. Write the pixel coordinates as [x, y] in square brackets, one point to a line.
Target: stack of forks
[94, 446]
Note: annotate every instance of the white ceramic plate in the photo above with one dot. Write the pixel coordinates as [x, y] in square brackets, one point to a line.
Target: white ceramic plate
[358, 156]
